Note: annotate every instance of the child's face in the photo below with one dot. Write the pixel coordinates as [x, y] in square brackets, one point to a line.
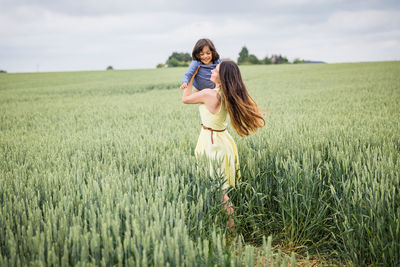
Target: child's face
[206, 55]
[215, 75]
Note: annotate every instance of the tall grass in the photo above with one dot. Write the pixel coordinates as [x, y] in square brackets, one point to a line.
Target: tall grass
[98, 168]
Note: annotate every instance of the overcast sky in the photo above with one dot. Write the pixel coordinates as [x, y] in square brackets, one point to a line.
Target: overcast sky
[55, 35]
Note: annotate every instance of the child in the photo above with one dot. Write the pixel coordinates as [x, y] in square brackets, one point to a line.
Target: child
[205, 56]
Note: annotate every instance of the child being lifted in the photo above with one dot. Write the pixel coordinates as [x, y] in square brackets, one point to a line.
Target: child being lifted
[206, 58]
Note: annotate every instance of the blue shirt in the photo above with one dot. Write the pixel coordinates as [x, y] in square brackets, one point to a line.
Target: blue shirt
[202, 78]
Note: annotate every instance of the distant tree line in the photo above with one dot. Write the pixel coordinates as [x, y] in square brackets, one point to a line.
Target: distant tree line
[177, 60]
[184, 59]
[249, 59]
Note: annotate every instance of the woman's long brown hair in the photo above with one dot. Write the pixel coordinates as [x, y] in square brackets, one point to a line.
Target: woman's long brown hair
[244, 113]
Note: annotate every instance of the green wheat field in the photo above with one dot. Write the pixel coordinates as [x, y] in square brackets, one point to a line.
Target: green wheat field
[98, 169]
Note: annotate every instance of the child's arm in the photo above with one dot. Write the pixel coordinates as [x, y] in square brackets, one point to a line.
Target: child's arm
[192, 68]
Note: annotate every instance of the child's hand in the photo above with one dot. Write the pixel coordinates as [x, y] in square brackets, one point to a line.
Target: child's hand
[183, 86]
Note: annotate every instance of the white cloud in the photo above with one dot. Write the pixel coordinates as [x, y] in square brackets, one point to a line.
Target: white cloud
[56, 40]
[364, 20]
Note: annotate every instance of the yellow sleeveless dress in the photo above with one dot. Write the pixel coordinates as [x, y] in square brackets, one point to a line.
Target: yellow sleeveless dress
[218, 146]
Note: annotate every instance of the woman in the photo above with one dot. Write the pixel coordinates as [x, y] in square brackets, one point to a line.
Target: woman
[229, 97]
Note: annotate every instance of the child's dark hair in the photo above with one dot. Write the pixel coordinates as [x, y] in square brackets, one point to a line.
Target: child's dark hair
[199, 47]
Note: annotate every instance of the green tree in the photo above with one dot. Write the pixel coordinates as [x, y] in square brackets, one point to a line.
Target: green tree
[298, 61]
[173, 62]
[110, 68]
[267, 60]
[243, 55]
[283, 60]
[179, 59]
[252, 59]
[279, 59]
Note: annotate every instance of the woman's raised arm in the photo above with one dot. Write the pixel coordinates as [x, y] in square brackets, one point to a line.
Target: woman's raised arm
[195, 98]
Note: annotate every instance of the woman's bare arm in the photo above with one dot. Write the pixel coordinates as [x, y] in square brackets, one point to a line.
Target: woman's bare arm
[206, 96]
